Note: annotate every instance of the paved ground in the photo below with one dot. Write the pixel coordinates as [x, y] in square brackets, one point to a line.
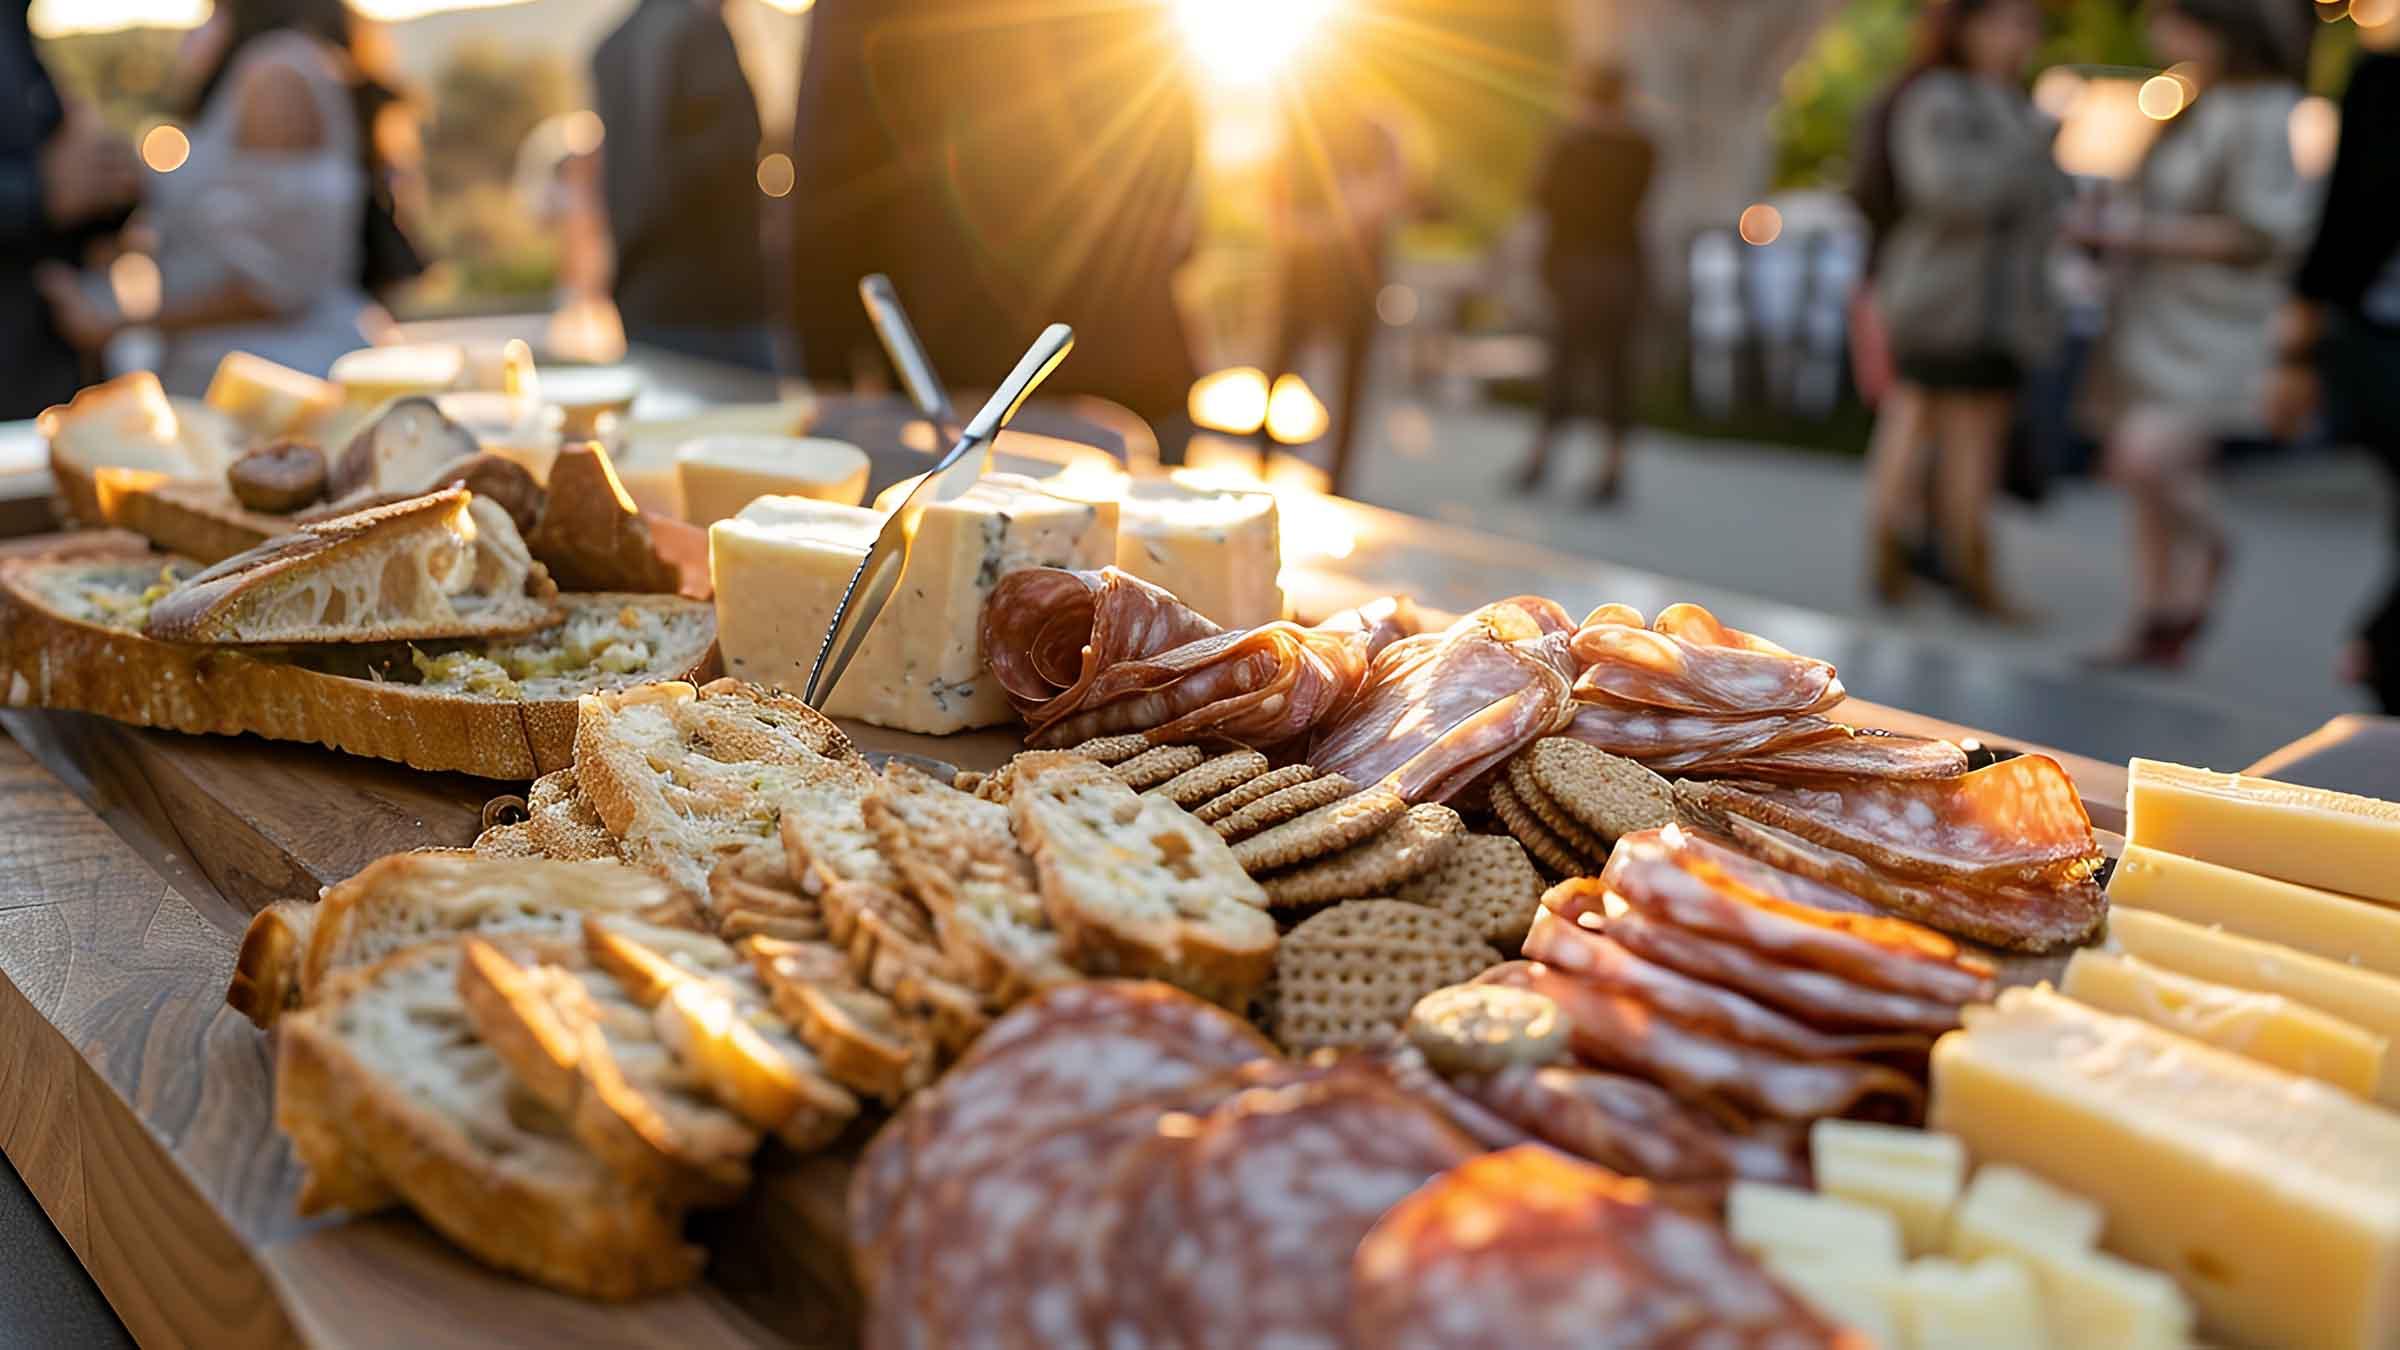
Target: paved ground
[1786, 525]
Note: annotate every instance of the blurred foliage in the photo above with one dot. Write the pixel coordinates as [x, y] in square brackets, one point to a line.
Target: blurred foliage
[124, 74]
[492, 248]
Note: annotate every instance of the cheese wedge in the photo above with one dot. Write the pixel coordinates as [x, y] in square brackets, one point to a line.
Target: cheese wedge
[2362, 998]
[719, 475]
[2273, 1200]
[1810, 1227]
[1913, 1175]
[1865, 1302]
[268, 399]
[2008, 1208]
[2321, 923]
[781, 565]
[2299, 834]
[2266, 1027]
[1990, 1305]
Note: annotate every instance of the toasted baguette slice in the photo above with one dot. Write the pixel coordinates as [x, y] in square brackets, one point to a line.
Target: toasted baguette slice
[580, 1044]
[1136, 885]
[752, 894]
[865, 1040]
[444, 565]
[266, 972]
[960, 859]
[386, 1074]
[561, 825]
[496, 708]
[712, 1009]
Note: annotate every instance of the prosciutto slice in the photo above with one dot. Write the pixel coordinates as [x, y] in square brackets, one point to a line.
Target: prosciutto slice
[1687, 661]
[1436, 712]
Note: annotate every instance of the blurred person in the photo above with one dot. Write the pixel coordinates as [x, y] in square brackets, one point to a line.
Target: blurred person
[2205, 257]
[679, 177]
[264, 233]
[1961, 284]
[64, 180]
[2338, 339]
[1338, 184]
[1589, 192]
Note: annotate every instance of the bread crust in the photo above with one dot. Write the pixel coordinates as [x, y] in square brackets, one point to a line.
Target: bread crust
[51, 660]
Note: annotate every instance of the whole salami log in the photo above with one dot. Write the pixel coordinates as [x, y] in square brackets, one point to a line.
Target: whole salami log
[1531, 1249]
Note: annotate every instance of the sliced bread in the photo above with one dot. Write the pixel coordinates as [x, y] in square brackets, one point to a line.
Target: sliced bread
[866, 1042]
[266, 971]
[386, 1073]
[1136, 885]
[959, 857]
[445, 565]
[752, 894]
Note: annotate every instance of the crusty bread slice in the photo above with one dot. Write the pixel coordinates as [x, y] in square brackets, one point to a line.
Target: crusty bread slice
[865, 1040]
[562, 825]
[1137, 886]
[712, 1008]
[266, 972]
[386, 1073]
[752, 894]
[444, 565]
[70, 637]
[582, 1047]
[958, 856]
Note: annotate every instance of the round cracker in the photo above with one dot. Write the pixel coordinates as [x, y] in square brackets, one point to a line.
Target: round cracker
[1157, 764]
[1413, 845]
[1539, 840]
[1276, 808]
[1349, 975]
[1552, 813]
[1212, 778]
[1265, 785]
[1487, 881]
[1608, 795]
[1328, 829]
[1112, 749]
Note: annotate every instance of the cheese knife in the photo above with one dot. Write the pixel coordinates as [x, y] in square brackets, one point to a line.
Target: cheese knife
[878, 574]
[909, 357]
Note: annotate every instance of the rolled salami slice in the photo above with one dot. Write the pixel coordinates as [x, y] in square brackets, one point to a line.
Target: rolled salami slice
[1260, 686]
[1688, 662]
[1531, 1249]
[1048, 632]
[1823, 1000]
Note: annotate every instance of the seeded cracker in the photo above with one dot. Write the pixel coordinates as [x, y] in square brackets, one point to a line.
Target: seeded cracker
[1488, 882]
[1158, 764]
[1539, 840]
[1552, 814]
[1112, 749]
[1414, 845]
[1349, 975]
[1328, 829]
[1265, 785]
[1212, 778]
[1607, 794]
[1290, 804]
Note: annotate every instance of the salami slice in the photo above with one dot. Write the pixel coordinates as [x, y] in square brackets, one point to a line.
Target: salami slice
[1674, 742]
[1531, 1249]
[1624, 1124]
[1404, 1064]
[1842, 752]
[1048, 632]
[1436, 712]
[1260, 686]
[1655, 669]
[1820, 999]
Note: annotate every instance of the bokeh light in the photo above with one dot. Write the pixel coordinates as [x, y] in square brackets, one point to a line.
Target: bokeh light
[2316, 128]
[1231, 401]
[1295, 415]
[776, 174]
[1761, 225]
[2162, 98]
[2374, 13]
[134, 283]
[2057, 90]
[581, 132]
[1249, 42]
[1396, 305]
[165, 148]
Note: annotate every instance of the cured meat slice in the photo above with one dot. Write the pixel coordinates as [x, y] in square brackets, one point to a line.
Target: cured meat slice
[1687, 661]
[1261, 686]
[1812, 995]
[1841, 752]
[1531, 1249]
[1048, 632]
[1621, 1123]
[1673, 742]
[1405, 1066]
[1384, 621]
[2027, 918]
[1676, 876]
[1435, 712]
[1619, 1031]
[1276, 1189]
[1711, 1008]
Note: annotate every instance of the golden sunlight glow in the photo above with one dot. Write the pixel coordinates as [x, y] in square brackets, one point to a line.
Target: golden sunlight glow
[776, 175]
[2316, 129]
[1232, 401]
[165, 148]
[57, 18]
[2162, 97]
[2056, 91]
[1295, 415]
[1761, 225]
[2374, 13]
[134, 282]
[401, 11]
[580, 132]
[1249, 42]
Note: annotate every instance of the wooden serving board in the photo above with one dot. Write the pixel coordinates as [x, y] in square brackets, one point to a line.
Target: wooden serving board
[139, 1108]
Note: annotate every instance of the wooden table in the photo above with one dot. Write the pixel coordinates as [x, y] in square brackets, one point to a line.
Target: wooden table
[138, 1107]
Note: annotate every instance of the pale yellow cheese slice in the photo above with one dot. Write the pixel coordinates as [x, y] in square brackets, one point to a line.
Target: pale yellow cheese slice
[372, 376]
[2362, 998]
[2008, 1207]
[1763, 1218]
[2306, 835]
[2266, 1027]
[270, 399]
[1866, 1302]
[1219, 552]
[1914, 1175]
[2273, 1200]
[1990, 1305]
[2319, 922]
[719, 475]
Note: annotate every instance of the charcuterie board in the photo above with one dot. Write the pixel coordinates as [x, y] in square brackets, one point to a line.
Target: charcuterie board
[144, 1123]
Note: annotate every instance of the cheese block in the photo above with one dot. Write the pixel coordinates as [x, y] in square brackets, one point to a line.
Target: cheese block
[2362, 998]
[2266, 1027]
[373, 376]
[2273, 1200]
[716, 476]
[1913, 1175]
[780, 568]
[1862, 1301]
[1219, 552]
[2300, 834]
[644, 449]
[2318, 922]
[271, 400]
[1809, 1227]
[2008, 1208]
[1992, 1304]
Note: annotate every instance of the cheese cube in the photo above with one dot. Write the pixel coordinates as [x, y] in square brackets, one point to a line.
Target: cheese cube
[781, 566]
[2299, 834]
[2090, 1300]
[1866, 1302]
[2360, 997]
[2273, 1200]
[719, 475]
[2008, 1208]
[2304, 918]
[1219, 552]
[373, 376]
[270, 400]
[1808, 1227]
[1914, 1175]
[1992, 1303]
[2266, 1027]
[644, 450]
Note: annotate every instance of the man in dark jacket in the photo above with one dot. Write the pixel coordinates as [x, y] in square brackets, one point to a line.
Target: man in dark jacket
[63, 181]
[679, 173]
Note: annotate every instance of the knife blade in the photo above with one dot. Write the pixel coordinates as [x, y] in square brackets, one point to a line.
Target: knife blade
[878, 574]
[908, 354]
